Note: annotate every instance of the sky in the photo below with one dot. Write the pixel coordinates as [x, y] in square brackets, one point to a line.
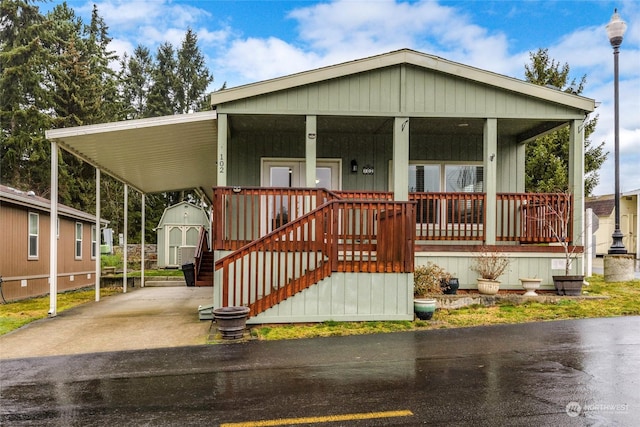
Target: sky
[250, 41]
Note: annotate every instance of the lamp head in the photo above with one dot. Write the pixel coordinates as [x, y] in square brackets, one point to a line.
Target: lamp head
[615, 29]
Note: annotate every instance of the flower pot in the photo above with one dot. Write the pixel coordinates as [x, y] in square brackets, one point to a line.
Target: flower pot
[449, 287]
[231, 321]
[530, 285]
[424, 308]
[568, 285]
[488, 287]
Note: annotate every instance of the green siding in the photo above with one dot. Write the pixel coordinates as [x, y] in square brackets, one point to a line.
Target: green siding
[415, 92]
[347, 297]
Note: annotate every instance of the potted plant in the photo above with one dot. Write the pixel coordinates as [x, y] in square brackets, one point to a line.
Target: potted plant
[530, 284]
[428, 280]
[490, 265]
[558, 222]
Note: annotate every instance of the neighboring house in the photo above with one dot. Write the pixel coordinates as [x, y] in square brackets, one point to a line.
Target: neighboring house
[24, 252]
[328, 186]
[178, 232]
[603, 207]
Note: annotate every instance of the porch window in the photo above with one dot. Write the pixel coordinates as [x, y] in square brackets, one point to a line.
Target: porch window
[34, 233]
[464, 179]
[78, 240]
[448, 178]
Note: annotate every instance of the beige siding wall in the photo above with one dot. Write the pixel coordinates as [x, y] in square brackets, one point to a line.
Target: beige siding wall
[26, 278]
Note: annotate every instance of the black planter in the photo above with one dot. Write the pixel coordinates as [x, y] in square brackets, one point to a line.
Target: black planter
[231, 321]
[568, 285]
[450, 287]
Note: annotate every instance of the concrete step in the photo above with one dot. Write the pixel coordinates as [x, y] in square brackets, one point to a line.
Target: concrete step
[159, 283]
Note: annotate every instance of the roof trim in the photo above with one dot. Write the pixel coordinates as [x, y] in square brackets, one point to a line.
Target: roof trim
[403, 56]
[28, 200]
[55, 134]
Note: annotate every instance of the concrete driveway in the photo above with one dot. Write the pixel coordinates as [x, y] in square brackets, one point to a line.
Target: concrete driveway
[143, 318]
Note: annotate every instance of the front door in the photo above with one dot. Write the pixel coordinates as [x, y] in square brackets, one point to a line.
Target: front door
[291, 173]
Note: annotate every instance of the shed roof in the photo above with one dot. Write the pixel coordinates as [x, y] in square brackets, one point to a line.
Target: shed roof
[602, 207]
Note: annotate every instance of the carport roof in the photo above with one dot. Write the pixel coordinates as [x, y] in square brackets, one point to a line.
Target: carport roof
[168, 153]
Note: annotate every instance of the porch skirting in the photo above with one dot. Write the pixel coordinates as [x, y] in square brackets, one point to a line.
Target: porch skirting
[347, 297]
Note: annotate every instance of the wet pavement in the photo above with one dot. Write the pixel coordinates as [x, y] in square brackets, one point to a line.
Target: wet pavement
[142, 318]
[563, 373]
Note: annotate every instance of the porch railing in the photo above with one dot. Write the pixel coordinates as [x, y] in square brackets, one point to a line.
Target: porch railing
[242, 215]
[449, 216]
[534, 217]
[203, 246]
[340, 235]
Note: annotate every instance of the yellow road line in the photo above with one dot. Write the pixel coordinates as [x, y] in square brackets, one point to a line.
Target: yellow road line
[326, 419]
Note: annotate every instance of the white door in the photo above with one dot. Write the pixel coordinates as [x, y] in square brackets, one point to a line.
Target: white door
[291, 173]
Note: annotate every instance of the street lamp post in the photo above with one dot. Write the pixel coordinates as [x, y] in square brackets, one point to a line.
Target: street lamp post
[615, 31]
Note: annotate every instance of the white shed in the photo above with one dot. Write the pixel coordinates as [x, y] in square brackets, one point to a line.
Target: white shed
[178, 232]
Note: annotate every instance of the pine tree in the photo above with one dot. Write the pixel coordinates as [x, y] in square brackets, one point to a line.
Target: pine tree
[162, 96]
[136, 82]
[25, 96]
[547, 157]
[193, 75]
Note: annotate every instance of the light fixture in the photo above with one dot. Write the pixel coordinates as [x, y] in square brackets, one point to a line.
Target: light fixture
[615, 31]
[354, 166]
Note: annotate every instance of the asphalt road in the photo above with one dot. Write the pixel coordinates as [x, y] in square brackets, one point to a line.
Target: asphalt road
[565, 373]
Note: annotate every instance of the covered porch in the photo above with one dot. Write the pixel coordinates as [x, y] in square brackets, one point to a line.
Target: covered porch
[354, 174]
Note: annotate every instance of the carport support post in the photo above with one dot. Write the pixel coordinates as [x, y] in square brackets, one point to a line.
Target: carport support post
[142, 242]
[124, 239]
[98, 234]
[53, 235]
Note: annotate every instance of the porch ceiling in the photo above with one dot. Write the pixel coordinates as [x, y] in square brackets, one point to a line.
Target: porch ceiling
[154, 155]
[520, 129]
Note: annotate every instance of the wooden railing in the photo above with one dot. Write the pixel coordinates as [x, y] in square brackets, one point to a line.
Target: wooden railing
[534, 217]
[203, 246]
[340, 235]
[242, 215]
[449, 216]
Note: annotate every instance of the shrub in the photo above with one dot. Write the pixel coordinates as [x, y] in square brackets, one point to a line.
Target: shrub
[427, 279]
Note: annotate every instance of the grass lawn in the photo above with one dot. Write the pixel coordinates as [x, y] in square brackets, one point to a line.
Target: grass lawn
[16, 314]
[624, 300]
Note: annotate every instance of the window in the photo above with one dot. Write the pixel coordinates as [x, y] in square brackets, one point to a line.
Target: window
[94, 242]
[78, 240]
[34, 231]
[450, 178]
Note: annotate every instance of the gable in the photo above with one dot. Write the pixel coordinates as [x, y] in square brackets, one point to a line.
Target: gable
[402, 89]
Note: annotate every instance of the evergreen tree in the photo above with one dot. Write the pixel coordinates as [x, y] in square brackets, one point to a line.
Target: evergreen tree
[547, 157]
[193, 75]
[25, 96]
[136, 82]
[162, 96]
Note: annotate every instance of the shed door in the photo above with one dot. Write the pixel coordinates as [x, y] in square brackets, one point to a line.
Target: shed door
[180, 236]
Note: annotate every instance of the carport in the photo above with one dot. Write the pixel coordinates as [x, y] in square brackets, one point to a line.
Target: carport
[169, 153]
